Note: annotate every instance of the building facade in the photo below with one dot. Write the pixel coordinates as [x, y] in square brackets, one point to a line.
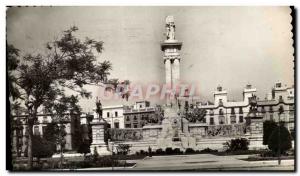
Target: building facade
[223, 111]
[114, 116]
[140, 114]
[20, 133]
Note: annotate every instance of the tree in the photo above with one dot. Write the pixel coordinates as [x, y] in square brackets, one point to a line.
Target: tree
[196, 114]
[85, 139]
[280, 140]
[268, 127]
[41, 148]
[64, 108]
[12, 54]
[68, 63]
[51, 133]
[12, 65]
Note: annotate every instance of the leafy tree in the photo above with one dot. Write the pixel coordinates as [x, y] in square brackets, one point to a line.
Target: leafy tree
[268, 127]
[196, 114]
[68, 63]
[280, 139]
[50, 134]
[12, 64]
[41, 148]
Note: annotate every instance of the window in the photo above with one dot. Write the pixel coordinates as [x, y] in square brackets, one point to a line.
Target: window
[36, 130]
[271, 117]
[141, 106]
[221, 112]
[271, 109]
[241, 110]
[281, 109]
[127, 118]
[232, 111]
[221, 119]
[116, 114]
[211, 121]
[128, 126]
[143, 117]
[241, 119]
[134, 118]
[45, 120]
[107, 114]
[278, 85]
[232, 119]
[263, 110]
[44, 129]
[134, 125]
[204, 120]
[220, 102]
[116, 124]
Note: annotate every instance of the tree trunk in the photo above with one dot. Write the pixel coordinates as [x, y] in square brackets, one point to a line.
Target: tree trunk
[30, 136]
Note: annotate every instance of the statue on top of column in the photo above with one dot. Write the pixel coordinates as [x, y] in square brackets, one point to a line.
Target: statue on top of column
[99, 108]
[170, 26]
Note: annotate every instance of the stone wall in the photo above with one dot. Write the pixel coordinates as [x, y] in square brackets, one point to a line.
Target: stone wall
[206, 136]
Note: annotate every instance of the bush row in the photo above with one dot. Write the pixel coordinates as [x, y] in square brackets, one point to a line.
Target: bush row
[176, 151]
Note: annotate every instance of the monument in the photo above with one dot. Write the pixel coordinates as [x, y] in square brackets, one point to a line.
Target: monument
[254, 123]
[174, 127]
[98, 132]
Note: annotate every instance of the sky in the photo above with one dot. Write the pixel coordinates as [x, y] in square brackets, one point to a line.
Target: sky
[228, 46]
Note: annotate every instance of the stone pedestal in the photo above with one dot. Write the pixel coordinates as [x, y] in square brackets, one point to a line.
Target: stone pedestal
[98, 144]
[256, 133]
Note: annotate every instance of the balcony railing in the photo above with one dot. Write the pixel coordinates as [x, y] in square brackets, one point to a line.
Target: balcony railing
[138, 110]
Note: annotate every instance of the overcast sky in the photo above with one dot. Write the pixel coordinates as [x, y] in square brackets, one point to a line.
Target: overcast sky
[230, 46]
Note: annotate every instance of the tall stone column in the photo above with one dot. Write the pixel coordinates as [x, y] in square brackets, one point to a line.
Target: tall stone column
[168, 70]
[175, 72]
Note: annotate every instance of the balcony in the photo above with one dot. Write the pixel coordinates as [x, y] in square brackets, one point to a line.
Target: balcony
[150, 109]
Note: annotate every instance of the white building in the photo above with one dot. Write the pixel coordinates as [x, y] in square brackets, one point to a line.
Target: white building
[114, 115]
[223, 111]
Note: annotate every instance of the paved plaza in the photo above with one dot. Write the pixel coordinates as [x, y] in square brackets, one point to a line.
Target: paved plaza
[209, 162]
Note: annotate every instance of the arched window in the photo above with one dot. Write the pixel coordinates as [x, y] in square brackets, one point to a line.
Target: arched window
[221, 112]
[232, 111]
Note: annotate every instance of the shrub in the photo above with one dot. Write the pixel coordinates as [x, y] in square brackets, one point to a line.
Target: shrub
[237, 144]
[123, 149]
[207, 150]
[177, 151]
[189, 150]
[142, 152]
[41, 148]
[169, 151]
[281, 136]
[268, 127]
[160, 152]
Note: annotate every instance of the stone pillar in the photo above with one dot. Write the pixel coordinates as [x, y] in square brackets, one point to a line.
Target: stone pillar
[98, 144]
[175, 72]
[168, 70]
